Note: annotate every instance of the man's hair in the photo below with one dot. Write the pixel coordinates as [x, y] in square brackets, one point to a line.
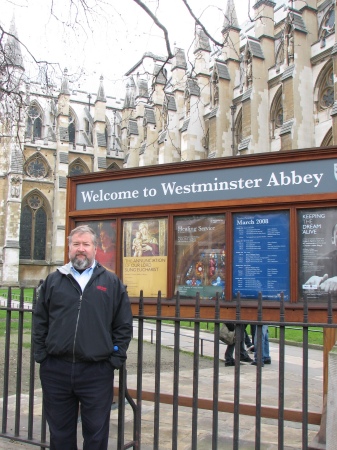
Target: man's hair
[81, 230]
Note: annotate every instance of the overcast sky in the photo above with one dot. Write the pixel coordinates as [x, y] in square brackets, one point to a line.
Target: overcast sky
[108, 42]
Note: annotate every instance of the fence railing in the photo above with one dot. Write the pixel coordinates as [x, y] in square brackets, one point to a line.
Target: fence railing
[164, 403]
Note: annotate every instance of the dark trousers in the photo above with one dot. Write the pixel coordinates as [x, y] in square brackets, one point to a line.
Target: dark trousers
[67, 385]
[230, 348]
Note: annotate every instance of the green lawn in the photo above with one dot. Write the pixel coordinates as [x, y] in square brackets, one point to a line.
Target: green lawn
[292, 334]
[27, 294]
[27, 318]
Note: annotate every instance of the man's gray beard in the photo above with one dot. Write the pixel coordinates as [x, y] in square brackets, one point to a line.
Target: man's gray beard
[81, 264]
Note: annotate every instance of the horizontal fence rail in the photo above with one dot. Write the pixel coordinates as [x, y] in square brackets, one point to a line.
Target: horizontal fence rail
[161, 407]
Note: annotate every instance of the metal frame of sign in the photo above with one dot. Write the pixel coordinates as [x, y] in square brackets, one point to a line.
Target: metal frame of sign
[278, 184]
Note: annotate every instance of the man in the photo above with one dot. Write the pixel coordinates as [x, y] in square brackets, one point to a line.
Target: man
[82, 329]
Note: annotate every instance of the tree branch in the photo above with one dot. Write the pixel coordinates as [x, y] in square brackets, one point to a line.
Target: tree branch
[159, 25]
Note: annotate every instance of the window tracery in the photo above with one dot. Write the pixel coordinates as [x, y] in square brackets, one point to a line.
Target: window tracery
[33, 228]
[326, 91]
[327, 26]
[36, 167]
[277, 112]
[77, 168]
[34, 123]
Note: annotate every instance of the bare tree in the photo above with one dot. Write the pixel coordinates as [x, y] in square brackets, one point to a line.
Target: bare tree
[81, 15]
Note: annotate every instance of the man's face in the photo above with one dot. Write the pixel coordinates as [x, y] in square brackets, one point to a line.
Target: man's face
[82, 250]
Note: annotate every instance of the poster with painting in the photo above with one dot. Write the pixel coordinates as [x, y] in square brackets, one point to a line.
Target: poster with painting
[106, 247]
[200, 257]
[145, 257]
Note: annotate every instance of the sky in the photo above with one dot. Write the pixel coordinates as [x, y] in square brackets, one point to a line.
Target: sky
[110, 39]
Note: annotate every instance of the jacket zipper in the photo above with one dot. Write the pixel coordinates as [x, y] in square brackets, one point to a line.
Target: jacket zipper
[78, 318]
[71, 278]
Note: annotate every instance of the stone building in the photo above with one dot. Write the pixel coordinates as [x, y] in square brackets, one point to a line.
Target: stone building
[270, 87]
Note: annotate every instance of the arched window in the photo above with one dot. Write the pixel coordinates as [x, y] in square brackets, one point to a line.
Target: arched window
[276, 114]
[78, 167]
[279, 57]
[328, 139]
[326, 90]
[33, 228]
[33, 123]
[327, 26]
[36, 166]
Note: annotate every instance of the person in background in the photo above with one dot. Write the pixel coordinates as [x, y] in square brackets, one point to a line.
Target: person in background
[82, 326]
[249, 342]
[244, 357]
[266, 359]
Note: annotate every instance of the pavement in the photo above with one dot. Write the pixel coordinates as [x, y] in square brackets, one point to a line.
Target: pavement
[270, 397]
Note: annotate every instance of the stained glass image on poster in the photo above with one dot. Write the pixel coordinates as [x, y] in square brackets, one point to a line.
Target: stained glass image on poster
[261, 255]
[145, 257]
[317, 252]
[106, 248]
[200, 262]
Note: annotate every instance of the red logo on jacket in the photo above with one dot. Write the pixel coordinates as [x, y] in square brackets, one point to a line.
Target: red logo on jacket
[102, 288]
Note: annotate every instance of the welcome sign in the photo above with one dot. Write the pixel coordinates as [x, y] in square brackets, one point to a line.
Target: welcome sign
[290, 178]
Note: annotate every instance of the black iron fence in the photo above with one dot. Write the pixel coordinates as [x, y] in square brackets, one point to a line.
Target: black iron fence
[256, 396]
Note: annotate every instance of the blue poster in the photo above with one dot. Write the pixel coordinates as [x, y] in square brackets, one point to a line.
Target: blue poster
[261, 255]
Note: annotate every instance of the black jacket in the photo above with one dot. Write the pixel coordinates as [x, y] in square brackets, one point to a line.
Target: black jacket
[93, 326]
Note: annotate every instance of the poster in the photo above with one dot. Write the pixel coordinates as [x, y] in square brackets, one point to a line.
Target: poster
[145, 257]
[106, 248]
[317, 230]
[261, 255]
[200, 261]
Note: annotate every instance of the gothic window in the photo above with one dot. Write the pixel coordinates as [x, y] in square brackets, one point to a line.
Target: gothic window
[71, 128]
[33, 123]
[33, 229]
[277, 112]
[326, 90]
[36, 167]
[328, 139]
[279, 59]
[327, 26]
[77, 168]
